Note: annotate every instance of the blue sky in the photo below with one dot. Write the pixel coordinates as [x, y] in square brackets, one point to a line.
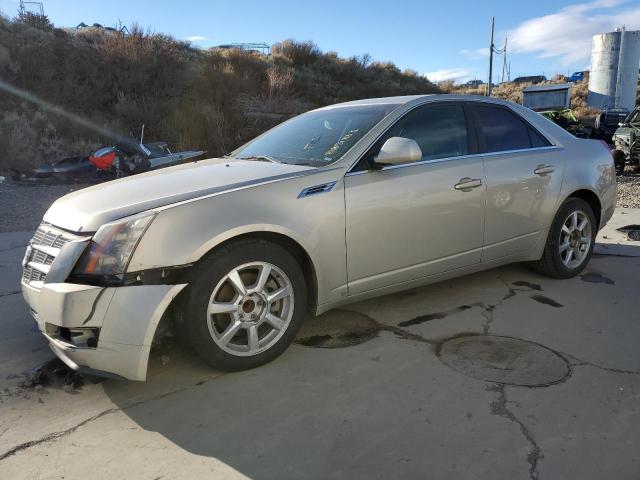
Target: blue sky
[440, 39]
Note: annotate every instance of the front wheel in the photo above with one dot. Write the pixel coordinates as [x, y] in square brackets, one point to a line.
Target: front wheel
[570, 241]
[245, 305]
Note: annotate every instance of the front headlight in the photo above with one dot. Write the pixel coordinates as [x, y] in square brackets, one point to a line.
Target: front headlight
[112, 246]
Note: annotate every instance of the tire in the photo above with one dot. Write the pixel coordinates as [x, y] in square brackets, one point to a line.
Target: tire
[554, 260]
[620, 161]
[233, 331]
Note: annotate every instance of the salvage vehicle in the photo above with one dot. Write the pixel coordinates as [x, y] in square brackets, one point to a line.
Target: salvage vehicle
[607, 122]
[566, 119]
[126, 157]
[130, 158]
[336, 205]
[626, 140]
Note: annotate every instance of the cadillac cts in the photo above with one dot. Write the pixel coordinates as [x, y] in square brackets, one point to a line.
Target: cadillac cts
[336, 205]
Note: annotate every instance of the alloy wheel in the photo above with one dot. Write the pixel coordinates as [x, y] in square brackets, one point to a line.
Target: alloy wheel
[250, 309]
[575, 239]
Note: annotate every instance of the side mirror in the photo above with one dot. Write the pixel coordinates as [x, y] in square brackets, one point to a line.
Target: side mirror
[396, 151]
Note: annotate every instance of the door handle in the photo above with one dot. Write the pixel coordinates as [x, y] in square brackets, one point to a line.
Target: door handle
[543, 170]
[466, 184]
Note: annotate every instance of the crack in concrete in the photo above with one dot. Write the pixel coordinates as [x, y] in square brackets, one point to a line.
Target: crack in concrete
[13, 248]
[55, 435]
[402, 333]
[499, 407]
[487, 314]
[577, 362]
[8, 294]
[397, 331]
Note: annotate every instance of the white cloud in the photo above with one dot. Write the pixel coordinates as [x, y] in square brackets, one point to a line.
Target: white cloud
[456, 74]
[196, 38]
[566, 34]
[475, 53]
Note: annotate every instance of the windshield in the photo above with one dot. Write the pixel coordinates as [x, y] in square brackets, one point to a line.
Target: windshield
[315, 138]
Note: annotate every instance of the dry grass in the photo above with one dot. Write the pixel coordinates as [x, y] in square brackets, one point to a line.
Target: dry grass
[211, 99]
[513, 92]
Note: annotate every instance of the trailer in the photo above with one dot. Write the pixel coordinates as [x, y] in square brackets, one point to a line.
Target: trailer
[547, 97]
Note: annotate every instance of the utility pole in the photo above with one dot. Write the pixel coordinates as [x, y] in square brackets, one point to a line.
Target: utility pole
[490, 61]
[504, 59]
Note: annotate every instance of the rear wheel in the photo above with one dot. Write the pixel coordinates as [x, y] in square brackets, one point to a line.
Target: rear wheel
[570, 242]
[245, 305]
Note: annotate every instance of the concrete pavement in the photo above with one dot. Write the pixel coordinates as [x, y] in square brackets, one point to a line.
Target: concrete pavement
[384, 405]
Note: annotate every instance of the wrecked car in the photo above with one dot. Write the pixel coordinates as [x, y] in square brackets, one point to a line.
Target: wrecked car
[566, 119]
[126, 157]
[336, 205]
[626, 141]
[607, 122]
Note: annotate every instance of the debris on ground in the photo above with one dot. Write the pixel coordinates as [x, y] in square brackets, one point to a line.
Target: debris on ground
[52, 374]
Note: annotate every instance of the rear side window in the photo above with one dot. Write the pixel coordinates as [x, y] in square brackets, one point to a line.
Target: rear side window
[502, 130]
[439, 130]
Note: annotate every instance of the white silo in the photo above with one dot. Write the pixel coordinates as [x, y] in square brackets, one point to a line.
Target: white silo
[613, 79]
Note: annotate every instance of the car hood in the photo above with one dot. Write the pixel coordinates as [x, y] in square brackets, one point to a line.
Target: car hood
[86, 210]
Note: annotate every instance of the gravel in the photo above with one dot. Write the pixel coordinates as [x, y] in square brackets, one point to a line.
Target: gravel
[23, 206]
[629, 191]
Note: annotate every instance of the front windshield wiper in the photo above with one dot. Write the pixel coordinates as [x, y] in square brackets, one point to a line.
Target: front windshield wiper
[259, 158]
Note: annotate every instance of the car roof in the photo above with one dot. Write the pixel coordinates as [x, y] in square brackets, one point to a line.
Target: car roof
[407, 99]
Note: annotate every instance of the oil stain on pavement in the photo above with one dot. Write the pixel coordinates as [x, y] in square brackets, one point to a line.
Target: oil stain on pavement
[593, 277]
[546, 301]
[337, 329]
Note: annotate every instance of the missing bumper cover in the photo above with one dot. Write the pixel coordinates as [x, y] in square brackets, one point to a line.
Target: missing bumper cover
[154, 276]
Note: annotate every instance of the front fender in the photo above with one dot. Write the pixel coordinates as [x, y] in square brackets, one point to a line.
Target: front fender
[185, 232]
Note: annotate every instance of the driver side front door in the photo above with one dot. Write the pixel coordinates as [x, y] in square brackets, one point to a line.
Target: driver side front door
[410, 221]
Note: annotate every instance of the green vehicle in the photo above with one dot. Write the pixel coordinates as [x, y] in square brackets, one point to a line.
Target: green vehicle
[627, 142]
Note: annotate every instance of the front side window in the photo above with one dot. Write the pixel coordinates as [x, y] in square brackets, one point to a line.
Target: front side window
[439, 130]
[316, 138]
[501, 130]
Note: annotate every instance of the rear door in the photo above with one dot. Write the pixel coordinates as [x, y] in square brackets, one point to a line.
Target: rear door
[409, 221]
[524, 175]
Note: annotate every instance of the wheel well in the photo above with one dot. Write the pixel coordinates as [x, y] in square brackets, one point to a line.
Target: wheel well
[593, 201]
[290, 246]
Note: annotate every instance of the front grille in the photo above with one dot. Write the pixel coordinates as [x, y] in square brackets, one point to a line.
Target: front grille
[42, 251]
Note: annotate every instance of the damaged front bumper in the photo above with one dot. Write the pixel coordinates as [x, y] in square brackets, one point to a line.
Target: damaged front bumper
[100, 330]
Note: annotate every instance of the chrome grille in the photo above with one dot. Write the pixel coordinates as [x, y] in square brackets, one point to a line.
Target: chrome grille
[42, 251]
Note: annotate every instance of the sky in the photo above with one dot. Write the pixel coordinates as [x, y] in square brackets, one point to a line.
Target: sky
[442, 40]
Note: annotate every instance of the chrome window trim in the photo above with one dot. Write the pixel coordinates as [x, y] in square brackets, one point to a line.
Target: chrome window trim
[448, 159]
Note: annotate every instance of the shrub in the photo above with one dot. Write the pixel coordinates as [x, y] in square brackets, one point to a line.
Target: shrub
[35, 20]
[299, 53]
[212, 99]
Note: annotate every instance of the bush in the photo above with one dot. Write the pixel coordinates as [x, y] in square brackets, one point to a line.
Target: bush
[195, 99]
[35, 20]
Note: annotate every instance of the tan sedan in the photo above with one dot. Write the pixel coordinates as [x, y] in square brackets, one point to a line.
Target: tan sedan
[336, 205]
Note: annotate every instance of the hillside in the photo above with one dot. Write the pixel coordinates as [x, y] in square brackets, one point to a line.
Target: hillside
[513, 92]
[209, 99]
